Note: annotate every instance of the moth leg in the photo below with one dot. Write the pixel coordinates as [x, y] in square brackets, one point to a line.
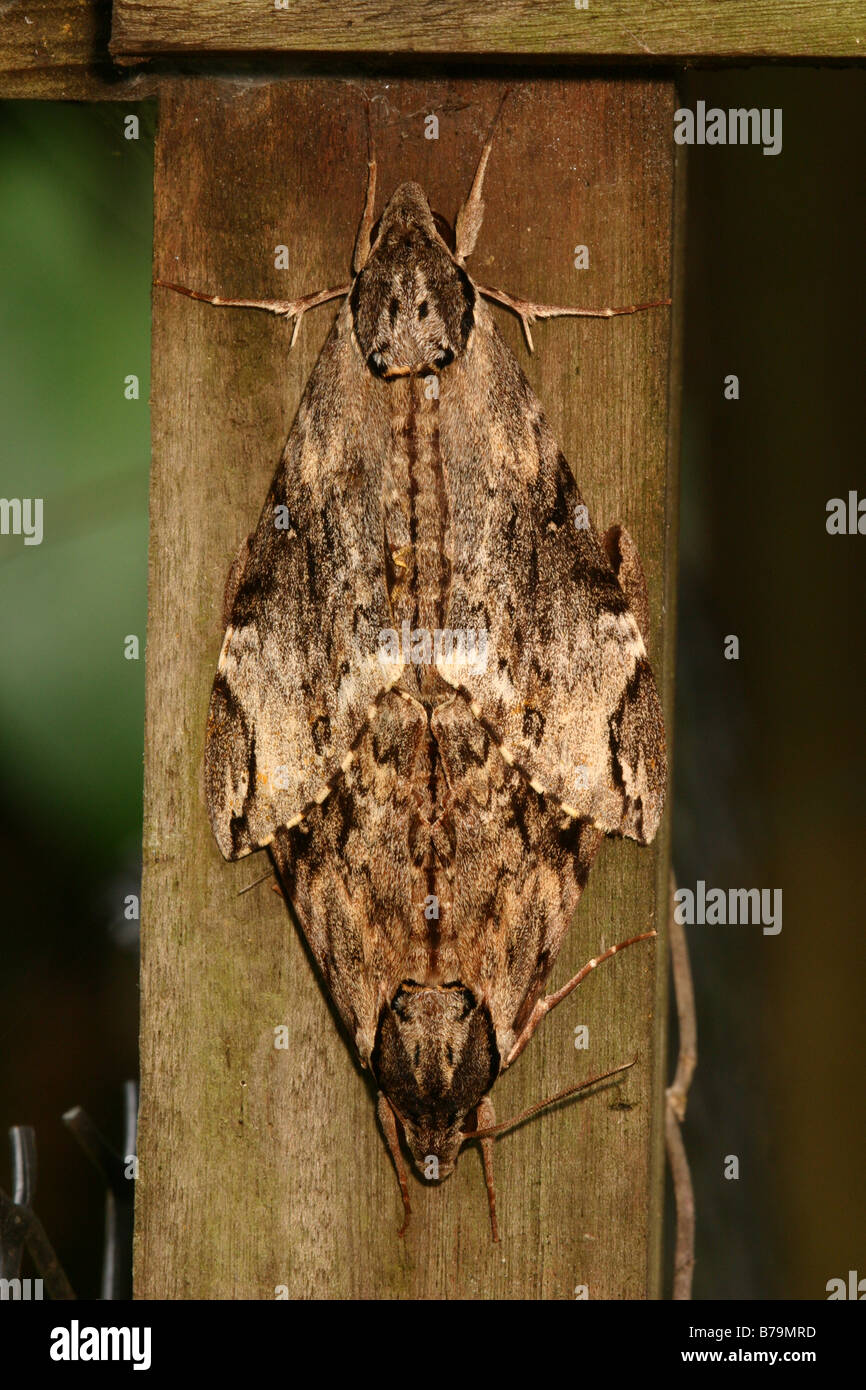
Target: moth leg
[544, 1006]
[286, 308]
[471, 214]
[275, 887]
[485, 1118]
[389, 1128]
[528, 311]
[626, 564]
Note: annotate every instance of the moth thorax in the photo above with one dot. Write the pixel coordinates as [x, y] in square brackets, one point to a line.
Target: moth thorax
[412, 304]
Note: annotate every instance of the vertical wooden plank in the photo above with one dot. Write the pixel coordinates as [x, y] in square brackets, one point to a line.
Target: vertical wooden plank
[263, 1168]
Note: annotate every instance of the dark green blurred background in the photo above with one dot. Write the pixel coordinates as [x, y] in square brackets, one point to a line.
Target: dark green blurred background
[769, 750]
[75, 248]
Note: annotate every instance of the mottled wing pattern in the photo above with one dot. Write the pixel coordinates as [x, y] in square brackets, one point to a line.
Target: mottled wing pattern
[362, 914]
[301, 663]
[567, 687]
[517, 870]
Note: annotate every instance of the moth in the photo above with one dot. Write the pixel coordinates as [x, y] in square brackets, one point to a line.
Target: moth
[433, 699]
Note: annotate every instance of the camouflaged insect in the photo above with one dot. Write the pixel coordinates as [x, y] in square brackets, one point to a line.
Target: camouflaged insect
[433, 697]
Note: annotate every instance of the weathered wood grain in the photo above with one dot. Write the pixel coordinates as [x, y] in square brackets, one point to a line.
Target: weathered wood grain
[58, 50]
[259, 1167]
[651, 30]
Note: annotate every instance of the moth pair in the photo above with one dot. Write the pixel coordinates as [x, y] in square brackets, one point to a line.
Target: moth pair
[432, 818]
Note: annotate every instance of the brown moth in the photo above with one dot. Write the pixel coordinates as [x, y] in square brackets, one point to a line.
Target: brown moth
[433, 699]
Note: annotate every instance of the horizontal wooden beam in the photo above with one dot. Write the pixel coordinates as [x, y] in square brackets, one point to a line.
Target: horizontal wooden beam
[58, 50]
[648, 30]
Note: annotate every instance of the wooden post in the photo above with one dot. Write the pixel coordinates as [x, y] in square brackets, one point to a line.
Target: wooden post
[259, 1167]
[263, 1168]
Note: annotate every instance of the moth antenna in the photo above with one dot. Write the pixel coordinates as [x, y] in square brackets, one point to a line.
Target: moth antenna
[493, 1130]
[255, 883]
[389, 1128]
[362, 240]
[485, 1118]
[471, 214]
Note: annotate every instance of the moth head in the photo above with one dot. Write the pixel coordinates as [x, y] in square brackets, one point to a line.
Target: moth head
[412, 304]
[435, 1056]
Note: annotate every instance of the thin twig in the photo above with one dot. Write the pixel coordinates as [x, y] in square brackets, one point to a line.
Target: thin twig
[675, 1109]
[43, 1256]
[117, 1243]
[22, 1141]
[22, 1144]
[22, 1226]
[101, 1154]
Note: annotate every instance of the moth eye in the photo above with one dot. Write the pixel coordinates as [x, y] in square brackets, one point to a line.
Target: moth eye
[443, 357]
[423, 309]
[377, 364]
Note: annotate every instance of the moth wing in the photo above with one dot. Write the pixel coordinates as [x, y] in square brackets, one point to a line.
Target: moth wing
[302, 663]
[516, 872]
[365, 929]
[564, 684]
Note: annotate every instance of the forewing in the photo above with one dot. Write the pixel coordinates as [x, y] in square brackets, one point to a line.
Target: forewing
[351, 875]
[566, 686]
[301, 664]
